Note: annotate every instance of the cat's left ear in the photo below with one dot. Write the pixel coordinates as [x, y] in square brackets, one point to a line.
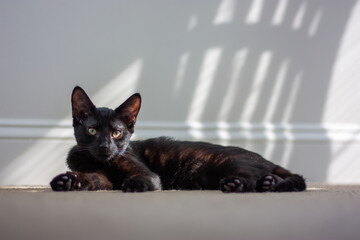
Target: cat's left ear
[129, 110]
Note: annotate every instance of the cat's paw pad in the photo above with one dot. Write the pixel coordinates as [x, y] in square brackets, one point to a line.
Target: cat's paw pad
[266, 183]
[137, 185]
[66, 182]
[232, 184]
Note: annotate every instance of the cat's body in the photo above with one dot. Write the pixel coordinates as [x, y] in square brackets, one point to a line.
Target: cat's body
[106, 159]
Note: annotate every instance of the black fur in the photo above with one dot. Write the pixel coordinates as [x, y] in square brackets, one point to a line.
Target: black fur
[105, 158]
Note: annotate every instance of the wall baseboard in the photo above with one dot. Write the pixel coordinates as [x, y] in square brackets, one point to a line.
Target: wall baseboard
[211, 131]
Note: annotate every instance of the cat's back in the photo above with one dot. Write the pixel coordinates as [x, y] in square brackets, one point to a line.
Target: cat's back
[168, 145]
[178, 161]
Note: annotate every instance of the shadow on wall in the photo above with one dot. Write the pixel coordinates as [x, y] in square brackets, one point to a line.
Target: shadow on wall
[231, 61]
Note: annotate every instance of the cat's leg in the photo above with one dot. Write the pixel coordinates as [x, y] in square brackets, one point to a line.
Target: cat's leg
[234, 179]
[75, 181]
[290, 183]
[268, 183]
[234, 176]
[236, 184]
[135, 176]
[141, 183]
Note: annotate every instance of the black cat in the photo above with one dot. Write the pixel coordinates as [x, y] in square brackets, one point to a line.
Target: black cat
[105, 158]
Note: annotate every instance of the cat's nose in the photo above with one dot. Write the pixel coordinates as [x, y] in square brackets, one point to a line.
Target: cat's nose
[104, 147]
[104, 152]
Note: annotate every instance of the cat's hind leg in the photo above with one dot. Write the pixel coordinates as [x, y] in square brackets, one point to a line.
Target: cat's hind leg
[268, 183]
[233, 184]
[238, 182]
[235, 177]
[290, 183]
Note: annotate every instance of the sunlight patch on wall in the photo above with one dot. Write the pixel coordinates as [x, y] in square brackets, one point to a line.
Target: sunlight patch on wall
[233, 87]
[225, 13]
[314, 25]
[269, 149]
[342, 103]
[280, 12]
[273, 103]
[204, 83]
[193, 22]
[345, 167]
[256, 88]
[290, 103]
[195, 130]
[223, 135]
[276, 91]
[255, 12]
[179, 79]
[299, 17]
[121, 87]
[38, 164]
[285, 159]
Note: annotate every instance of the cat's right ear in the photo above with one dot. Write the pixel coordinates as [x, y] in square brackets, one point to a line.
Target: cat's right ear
[129, 110]
[81, 105]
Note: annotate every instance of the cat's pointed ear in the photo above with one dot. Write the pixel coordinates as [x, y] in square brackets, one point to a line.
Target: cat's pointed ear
[129, 110]
[81, 105]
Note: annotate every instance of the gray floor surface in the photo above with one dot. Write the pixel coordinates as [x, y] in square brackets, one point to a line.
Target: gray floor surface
[322, 212]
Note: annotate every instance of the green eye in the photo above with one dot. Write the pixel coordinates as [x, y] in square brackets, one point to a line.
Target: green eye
[92, 131]
[116, 134]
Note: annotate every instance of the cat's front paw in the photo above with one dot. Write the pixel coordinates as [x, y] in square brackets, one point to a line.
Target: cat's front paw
[68, 181]
[137, 184]
[233, 184]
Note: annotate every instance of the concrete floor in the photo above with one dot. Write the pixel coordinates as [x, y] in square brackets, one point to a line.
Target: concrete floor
[323, 212]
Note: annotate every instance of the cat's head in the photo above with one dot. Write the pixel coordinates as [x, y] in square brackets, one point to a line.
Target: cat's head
[103, 132]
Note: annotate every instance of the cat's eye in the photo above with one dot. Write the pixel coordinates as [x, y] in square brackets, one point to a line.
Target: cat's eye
[116, 134]
[92, 131]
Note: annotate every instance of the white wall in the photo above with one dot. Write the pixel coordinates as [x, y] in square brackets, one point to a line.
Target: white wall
[278, 77]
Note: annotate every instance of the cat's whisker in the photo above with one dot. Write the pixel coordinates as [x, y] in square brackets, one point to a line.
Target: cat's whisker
[108, 163]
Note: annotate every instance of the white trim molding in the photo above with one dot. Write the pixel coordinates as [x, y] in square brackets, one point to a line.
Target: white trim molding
[211, 131]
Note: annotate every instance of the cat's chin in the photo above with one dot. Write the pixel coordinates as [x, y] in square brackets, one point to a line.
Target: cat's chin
[103, 157]
[108, 158]
[107, 155]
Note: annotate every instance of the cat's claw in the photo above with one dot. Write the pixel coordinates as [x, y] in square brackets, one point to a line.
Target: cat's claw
[232, 184]
[66, 182]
